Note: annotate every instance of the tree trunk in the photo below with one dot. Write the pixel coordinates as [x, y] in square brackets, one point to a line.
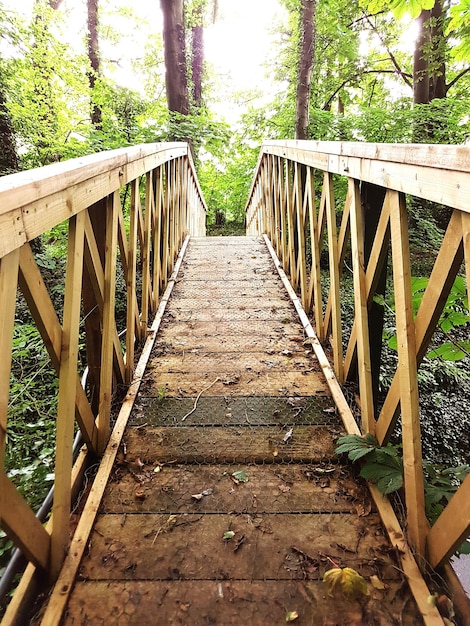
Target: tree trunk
[197, 59]
[175, 56]
[94, 58]
[438, 87]
[421, 78]
[306, 60]
[8, 156]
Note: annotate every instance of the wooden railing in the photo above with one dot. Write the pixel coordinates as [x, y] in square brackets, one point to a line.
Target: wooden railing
[131, 207]
[292, 200]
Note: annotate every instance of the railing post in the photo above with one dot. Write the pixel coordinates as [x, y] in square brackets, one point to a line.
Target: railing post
[360, 309]
[91, 310]
[407, 372]
[109, 325]
[67, 393]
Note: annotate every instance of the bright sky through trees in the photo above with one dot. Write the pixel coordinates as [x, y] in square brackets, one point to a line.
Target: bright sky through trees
[237, 46]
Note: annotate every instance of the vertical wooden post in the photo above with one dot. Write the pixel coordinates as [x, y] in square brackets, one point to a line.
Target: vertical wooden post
[8, 284]
[91, 311]
[131, 280]
[301, 191]
[145, 253]
[109, 299]
[67, 393]
[407, 372]
[334, 276]
[372, 199]
[360, 307]
[314, 289]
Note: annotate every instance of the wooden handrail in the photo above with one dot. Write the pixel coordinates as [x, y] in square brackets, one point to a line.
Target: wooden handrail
[165, 204]
[285, 205]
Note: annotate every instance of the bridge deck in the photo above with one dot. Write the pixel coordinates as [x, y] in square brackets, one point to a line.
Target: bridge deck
[253, 462]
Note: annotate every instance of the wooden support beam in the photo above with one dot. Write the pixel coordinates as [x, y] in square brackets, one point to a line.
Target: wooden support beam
[22, 526]
[66, 398]
[451, 528]
[360, 309]
[132, 313]
[109, 325]
[8, 283]
[407, 372]
[334, 277]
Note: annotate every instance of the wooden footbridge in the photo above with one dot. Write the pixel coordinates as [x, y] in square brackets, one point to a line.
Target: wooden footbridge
[207, 489]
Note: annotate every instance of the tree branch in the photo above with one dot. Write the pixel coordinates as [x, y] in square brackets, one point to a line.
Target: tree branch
[351, 78]
[366, 17]
[458, 77]
[393, 59]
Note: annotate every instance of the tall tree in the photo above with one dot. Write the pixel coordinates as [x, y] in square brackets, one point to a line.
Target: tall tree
[306, 62]
[94, 58]
[174, 41]
[8, 154]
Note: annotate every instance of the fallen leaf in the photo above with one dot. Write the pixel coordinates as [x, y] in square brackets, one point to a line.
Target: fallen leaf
[287, 352]
[284, 488]
[288, 435]
[157, 469]
[207, 492]
[140, 494]
[376, 582]
[347, 579]
[240, 477]
[197, 496]
[229, 534]
[363, 509]
[291, 616]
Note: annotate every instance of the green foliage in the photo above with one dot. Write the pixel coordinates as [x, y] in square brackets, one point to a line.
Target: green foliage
[454, 315]
[382, 465]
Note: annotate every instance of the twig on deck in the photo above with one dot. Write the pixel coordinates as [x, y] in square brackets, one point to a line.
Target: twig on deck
[197, 399]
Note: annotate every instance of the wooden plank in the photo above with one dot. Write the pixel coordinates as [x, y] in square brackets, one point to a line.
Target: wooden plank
[8, 284]
[259, 363]
[21, 525]
[280, 488]
[466, 244]
[37, 297]
[232, 602]
[439, 156]
[407, 372]
[228, 384]
[226, 337]
[60, 594]
[66, 395]
[140, 549]
[424, 178]
[132, 313]
[232, 444]
[360, 310]
[109, 325]
[283, 412]
[451, 528]
[334, 277]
